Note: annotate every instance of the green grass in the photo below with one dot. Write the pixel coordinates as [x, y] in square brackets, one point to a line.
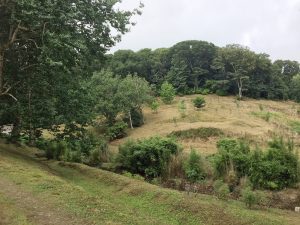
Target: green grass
[295, 125]
[10, 214]
[101, 197]
[202, 132]
[267, 116]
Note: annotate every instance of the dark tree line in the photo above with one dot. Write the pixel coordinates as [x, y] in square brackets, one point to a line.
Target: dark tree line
[199, 66]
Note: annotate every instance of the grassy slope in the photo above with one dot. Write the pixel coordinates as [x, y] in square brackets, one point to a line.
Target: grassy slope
[236, 118]
[79, 193]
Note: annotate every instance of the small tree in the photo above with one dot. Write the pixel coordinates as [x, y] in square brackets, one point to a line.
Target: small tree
[167, 93]
[193, 168]
[199, 102]
[154, 106]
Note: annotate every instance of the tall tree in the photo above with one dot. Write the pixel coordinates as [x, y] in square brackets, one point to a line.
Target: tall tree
[238, 63]
[191, 60]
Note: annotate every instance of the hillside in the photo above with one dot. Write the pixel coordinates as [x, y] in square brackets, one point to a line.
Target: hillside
[33, 191]
[256, 121]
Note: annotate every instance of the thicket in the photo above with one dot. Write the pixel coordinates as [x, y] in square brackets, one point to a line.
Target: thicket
[88, 149]
[148, 157]
[275, 168]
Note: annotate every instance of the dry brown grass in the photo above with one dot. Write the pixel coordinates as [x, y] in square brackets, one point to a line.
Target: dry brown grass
[234, 118]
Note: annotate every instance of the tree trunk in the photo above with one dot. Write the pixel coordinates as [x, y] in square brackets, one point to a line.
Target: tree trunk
[240, 87]
[130, 120]
[1, 70]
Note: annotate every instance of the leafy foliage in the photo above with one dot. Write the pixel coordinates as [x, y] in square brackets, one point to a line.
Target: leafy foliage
[167, 93]
[117, 131]
[276, 168]
[199, 102]
[232, 155]
[148, 157]
[194, 170]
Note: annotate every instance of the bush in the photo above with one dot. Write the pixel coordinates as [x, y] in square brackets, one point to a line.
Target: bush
[98, 155]
[251, 198]
[56, 150]
[167, 93]
[194, 167]
[154, 106]
[118, 130]
[275, 169]
[221, 189]
[148, 157]
[221, 93]
[199, 102]
[232, 155]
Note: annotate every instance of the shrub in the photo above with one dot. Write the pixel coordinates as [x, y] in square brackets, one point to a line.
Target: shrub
[221, 93]
[221, 189]
[154, 106]
[116, 131]
[275, 169]
[56, 150]
[199, 102]
[232, 155]
[167, 93]
[98, 155]
[194, 167]
[251, 198]
[148, 157]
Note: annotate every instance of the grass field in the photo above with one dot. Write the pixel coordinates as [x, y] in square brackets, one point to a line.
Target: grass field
[255, 120]
[34, 191]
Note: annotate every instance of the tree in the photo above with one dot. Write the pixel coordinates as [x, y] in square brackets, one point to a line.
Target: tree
[167, 93]
[115, 95]
[105, 88]
[47, 49]
[191, 62]
[133, 92]
[238, 63]
[295, 88]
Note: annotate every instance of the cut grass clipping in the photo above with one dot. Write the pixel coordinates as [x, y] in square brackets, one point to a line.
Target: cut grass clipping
[202, 133]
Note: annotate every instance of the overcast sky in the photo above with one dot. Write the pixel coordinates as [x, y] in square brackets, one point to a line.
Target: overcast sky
[269, 26]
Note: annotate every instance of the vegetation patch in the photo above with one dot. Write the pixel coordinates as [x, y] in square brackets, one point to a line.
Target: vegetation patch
[202, 132]
[295, 125]
[267, 116]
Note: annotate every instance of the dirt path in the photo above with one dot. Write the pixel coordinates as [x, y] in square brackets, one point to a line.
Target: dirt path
[36, 211]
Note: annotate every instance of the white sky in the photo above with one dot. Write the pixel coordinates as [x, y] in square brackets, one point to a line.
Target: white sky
[269, 26]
